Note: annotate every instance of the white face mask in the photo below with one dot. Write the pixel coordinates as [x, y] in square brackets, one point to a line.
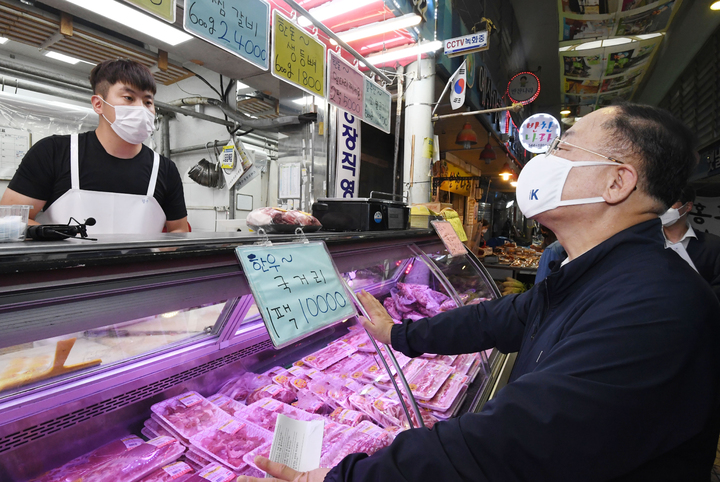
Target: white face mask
[671, 216]
[540, 184]
[133, 123]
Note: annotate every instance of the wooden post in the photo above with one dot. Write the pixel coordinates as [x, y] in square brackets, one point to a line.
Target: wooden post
[162, 60]
[66, 24]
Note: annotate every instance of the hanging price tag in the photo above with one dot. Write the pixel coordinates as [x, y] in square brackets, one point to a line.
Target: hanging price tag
[449, 238]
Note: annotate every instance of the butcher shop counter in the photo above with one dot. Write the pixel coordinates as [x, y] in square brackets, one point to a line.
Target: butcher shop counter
[93, 334]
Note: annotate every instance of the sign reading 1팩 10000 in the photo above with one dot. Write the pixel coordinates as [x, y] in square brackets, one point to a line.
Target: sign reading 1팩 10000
[239, 26]
[296, 287]
[298, 57]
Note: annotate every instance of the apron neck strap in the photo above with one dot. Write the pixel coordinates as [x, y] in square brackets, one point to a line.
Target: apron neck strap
[154, 175]
[74, 167]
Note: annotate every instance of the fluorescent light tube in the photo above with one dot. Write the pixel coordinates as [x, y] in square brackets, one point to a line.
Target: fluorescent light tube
[3, 40]
[333, 9]
[377, 28]
[402, 53]
[62, 57]
[135, 20]
[646, 36]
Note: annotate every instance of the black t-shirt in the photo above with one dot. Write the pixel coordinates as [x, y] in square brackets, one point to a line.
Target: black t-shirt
[44, 173]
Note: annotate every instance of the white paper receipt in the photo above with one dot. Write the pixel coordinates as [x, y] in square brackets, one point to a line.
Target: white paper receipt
[297, 444]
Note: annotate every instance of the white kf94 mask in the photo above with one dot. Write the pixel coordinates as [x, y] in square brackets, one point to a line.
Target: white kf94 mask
[541, 181]
[133, 123]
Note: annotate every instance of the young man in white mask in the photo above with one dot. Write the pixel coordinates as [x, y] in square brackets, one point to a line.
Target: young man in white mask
[701, 250]
[106, 174]
[617, 375]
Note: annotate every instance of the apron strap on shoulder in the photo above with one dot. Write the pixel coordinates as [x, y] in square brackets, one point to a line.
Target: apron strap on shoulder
[74, 163]
[154, 175]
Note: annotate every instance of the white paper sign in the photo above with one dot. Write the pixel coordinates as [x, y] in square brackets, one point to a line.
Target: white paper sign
[289, 180]
[348, 155]
[297, 443]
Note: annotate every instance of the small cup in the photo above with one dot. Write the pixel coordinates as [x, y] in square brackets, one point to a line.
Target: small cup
[13, 222]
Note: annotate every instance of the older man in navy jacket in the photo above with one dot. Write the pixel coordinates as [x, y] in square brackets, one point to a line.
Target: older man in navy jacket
[618, 373]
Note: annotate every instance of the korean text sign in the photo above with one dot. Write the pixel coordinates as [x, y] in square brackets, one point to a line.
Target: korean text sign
[239, 26]
[298, 57]
[296, 287]
[378, 103]
[164, 9]
[538, 132]
[346, 88]
[348, 155]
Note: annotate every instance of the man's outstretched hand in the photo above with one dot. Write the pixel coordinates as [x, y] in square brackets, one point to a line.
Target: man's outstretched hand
[283, 473]
[380, 323]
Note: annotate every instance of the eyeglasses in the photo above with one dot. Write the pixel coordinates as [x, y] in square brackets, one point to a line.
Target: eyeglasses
[558, 141]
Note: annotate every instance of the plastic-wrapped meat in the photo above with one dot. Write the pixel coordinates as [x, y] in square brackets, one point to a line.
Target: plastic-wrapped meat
[407, 296]
[463, 363]
[347, 366]
[446, 359]
[389, 305]
[227, 404]
[402, 304]
[448, 393]
[448, 305]
[359, 442]
[260, 217]
[334, 437]
[363, 401]
[194, 455]
[390, 408]
[331, 390]
[175, 472]
[239, 388]
[77, 467]
[251, 471]
[454, 407]
[189, 413]
[347, 417]
[271, 391]
[137, 462]
[249, 458]
[167, 430]
[212, 473]
[414, 315]
[428, 381]
[229, 441]
[325, 357]
[264, 413]
[312, 404]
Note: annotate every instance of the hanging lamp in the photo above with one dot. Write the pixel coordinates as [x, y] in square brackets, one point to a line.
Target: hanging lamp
[466, 137]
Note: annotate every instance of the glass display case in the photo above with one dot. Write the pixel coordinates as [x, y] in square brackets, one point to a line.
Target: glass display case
[95, 335]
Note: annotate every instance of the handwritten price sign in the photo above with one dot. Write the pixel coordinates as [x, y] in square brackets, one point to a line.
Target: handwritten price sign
[377, 106]
[298, 58]
[164, 9]
[345, 86]
[240, 27]
[296, 287]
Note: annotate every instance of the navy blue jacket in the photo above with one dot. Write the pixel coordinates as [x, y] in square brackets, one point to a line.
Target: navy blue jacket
[617, 377]
[705, 255]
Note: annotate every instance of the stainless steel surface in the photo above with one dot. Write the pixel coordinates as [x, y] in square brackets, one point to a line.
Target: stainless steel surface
[331, 34]
[45, 74]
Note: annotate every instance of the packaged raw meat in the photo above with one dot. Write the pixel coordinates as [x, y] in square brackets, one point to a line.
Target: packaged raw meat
[334, 437]
[189, 413]
[425, 383]
[325, 357]
[345, 367]
[446, 359]
[276, 220]
[474, 370]
[165, 429]
[251, 471]
[152, 425]
[175, 472]
[389, 407]
[249, 458]
[312, 404]
[77, 467]
[264, 413]
[229, 441]
[463, 363]
[452, 411]
[227, 404]
[277, 370]
[197, 457]
[347, 417]
[363, 401]
[196, 466]
[137, 462]
[332, 391]
[238, 388]
[146, 432]
[271, 391]
[359, 441]
[376, 371]
[212, 473]
[448, 393]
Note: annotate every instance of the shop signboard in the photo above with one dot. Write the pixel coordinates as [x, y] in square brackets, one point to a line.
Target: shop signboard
[378, 104]
[296, 287]
[538, 132]
[348, 155]
[346, 89]
[297, 57]
[240, 27]
[460, 186]
[475, 42]
[165, 9]
[523, 88]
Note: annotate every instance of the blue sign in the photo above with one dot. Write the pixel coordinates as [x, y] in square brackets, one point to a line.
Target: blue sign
[240, 27]
[296, 287]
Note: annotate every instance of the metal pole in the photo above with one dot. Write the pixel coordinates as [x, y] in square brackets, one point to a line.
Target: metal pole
[340, 42]
[514, 107]
[398, 117]
[46, 74]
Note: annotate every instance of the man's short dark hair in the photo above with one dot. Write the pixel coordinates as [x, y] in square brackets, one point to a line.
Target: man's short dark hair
[687, 195]
[664, 145]
[109, 72]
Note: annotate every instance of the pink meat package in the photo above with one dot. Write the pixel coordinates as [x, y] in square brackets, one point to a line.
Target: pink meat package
[391, 409]
[426, 383]
[365, 438]
[448, 393]
[249, 457]
[189, 413]
[264, 413]
[333, 391]
[347, 417]
[229, 441]
[273, 391]
[463, 363]
[227, 404]
[347, 366]
[74, 469]
[362, 401]
[165, 429]
[213, 472]
[174, 472]
[332, 353]
[238, 388]
[136, 463]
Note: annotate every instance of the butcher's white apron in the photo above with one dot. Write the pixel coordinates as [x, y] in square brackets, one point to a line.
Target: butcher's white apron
[114, 213]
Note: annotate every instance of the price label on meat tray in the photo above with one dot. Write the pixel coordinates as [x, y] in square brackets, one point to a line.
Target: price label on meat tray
[296, 287]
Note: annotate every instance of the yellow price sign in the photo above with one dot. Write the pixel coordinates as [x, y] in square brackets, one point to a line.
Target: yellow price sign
[298, 57]
[165, 9]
